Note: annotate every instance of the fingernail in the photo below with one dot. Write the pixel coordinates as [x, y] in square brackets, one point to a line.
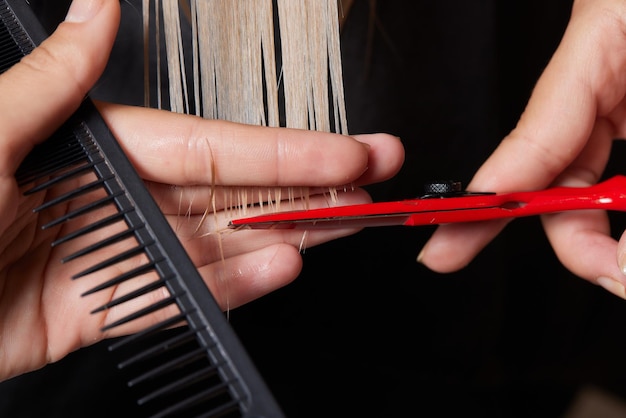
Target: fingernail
[420, 256]
[621, 262]
[612, 286]
[83, 10]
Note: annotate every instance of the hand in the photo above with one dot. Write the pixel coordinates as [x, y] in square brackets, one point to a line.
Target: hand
[563, 138]
[42, 315]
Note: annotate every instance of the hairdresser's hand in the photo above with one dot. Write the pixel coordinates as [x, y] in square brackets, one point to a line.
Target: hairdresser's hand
[217, 165]
[42, 315]
[563, 139]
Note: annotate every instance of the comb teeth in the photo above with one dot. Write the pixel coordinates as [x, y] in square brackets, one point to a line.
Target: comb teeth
[194, 365]
[189, 375]
[182, 376]
[14, 42]
[136, 272]
[102, 223]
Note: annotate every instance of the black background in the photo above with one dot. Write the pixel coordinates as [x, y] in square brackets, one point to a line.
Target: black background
[365, 330]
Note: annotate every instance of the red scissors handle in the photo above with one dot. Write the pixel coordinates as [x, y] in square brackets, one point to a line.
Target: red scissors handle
[607, 195]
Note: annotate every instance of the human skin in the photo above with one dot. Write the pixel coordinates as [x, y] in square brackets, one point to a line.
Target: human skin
[563, 138]
[183, 160]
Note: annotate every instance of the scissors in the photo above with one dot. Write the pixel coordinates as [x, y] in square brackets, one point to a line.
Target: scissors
[445, 202]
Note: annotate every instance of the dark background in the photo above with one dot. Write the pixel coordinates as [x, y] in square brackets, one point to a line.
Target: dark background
[365, 330]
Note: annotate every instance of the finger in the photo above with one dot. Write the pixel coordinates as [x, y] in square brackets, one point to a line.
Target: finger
[208, 239]
[561, 114]
[551, 133]
[582, 243]
[445, 253]
[581, 239]
[197, 199]
[232, 282]
[617, 283]
[53, 80]
[181, 149]
[249, 276]
[194, 200]
[454, 246]
[385, 158]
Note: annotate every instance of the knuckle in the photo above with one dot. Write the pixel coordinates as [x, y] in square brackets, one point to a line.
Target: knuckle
[57, 64]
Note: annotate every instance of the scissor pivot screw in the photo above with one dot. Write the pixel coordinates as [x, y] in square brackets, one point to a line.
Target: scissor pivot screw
[448, 188]
[442, 188]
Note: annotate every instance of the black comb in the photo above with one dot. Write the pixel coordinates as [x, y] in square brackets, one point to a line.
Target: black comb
[201, 368]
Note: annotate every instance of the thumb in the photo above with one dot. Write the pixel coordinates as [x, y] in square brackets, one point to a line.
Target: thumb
[555, 135]
[41, 91]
